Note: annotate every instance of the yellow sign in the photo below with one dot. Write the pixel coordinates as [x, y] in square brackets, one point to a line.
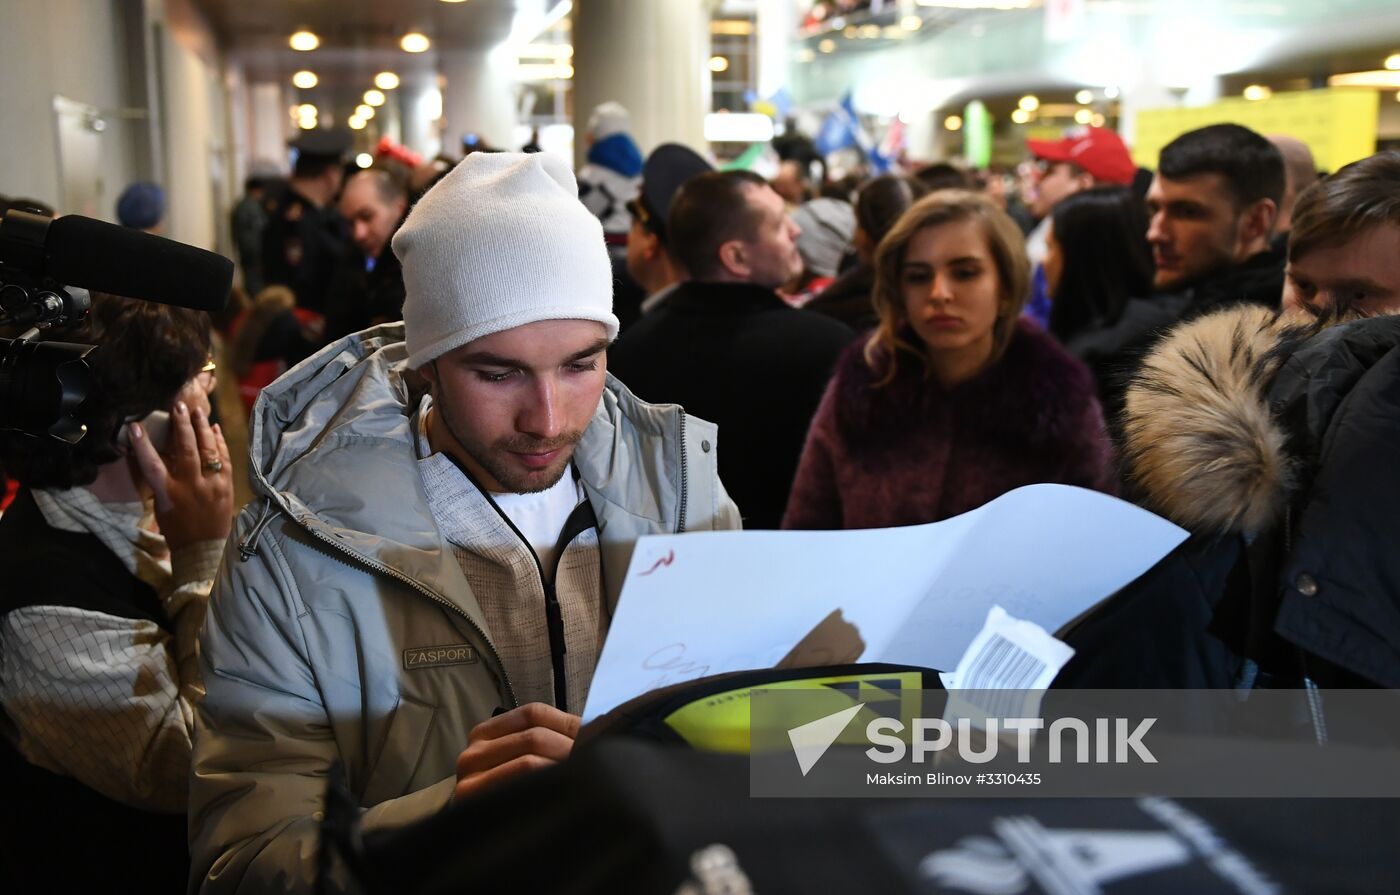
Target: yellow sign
[1338, 124]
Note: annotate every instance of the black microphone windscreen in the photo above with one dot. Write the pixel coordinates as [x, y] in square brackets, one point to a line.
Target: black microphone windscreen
[107, 258]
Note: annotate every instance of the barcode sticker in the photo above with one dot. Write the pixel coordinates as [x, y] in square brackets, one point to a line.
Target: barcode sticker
[1008, 654]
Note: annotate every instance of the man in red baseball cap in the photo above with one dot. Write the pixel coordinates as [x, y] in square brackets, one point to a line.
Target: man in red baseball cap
[1088, 157]
[1095, 155]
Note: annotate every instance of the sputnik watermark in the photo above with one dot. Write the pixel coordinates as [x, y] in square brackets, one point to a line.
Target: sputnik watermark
[887, 741]
[889, 748]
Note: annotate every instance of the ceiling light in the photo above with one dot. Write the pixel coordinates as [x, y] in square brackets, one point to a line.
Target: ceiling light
[1020, 116]
[386, 80]
[1392, 62]
[304, 41]
[827, 45]
[953, 122]
[374, 98]
[1256, 92]
[1028, 103]
[364, 111]
[1083, 116]
[732, 27]
[304, 80]
[1084, 97]
[1098, 120]
[911, 23]
[364, 160]
[1110, 92]
[413, 42]
[719, 64]
[356, 123]
[306, 110]
[1385, 80]
[307, 124]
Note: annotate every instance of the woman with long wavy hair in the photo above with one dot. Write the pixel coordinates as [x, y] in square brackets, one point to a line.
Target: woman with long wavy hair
[952, 401]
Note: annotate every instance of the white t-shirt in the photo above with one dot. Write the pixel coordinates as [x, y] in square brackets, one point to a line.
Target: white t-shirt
[541, 516]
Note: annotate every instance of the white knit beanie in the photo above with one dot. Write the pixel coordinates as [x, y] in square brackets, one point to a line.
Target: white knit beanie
[500, 242]
[607, 119]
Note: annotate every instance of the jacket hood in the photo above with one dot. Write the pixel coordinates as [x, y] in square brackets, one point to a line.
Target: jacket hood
[1225, 418]
[332, 442]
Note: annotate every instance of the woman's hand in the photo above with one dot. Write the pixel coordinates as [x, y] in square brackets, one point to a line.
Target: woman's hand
[193, 483]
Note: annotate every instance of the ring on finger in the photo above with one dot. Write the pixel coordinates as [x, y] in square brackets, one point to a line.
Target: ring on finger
[214, 464]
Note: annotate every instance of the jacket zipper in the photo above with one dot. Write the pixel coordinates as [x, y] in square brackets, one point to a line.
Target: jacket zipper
[685, 491]
[392, 573]
[553, 613]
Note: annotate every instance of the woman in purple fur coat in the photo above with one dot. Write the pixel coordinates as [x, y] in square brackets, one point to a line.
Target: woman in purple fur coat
[953, 400]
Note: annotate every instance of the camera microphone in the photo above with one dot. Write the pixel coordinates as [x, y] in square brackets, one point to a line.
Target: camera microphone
[102, 257]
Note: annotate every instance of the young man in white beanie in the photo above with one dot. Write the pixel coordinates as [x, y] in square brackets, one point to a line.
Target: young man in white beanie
[421, 588]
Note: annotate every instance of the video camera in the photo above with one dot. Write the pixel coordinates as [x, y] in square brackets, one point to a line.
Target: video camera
[46, 267]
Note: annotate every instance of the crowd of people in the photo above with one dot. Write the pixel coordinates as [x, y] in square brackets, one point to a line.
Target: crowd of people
[474, 385]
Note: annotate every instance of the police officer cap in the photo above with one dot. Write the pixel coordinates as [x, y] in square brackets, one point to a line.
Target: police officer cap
[666, 170]
[322, 145]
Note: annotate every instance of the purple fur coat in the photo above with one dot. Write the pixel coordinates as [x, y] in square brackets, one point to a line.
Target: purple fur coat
[912, 452]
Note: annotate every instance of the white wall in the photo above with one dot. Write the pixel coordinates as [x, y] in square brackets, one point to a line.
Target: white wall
[199, 159]
[70, 48]
[78, 49]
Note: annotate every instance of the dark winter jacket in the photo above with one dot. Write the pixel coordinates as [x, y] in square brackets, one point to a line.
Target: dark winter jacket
[737, 355]
[1113, 351]
[1258, 280]
[848, 299]
[913, 452]
[1275, 446]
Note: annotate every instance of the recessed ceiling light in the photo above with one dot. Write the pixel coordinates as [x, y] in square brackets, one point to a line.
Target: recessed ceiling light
[356, 122]
[304, 41]
[413, 42]
[374, 98]
[364, 160]
[304, 79]
[386, 80]
[365, 112]
[1084, 97]
[306, 110]
[719, 64]
[1030, 102]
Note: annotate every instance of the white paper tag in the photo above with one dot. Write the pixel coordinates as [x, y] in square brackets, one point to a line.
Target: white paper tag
[1008, 654]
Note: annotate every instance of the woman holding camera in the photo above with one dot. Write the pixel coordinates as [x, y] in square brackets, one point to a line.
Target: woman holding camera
[108, 554]
[952, 401]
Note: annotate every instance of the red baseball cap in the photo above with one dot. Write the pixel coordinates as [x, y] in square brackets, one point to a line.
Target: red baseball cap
[1097, 150]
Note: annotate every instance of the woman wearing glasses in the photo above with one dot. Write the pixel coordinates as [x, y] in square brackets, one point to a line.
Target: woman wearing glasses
[108, 553]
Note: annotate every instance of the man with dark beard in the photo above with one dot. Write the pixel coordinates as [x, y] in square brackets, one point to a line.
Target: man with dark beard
[420, 590]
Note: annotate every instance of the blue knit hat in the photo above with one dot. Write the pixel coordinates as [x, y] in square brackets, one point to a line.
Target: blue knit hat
[141, 205]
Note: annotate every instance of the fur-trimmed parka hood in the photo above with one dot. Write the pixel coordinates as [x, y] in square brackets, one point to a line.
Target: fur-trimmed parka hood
[1224, 418]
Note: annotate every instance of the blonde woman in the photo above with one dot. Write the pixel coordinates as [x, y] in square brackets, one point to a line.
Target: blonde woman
[952, 401]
